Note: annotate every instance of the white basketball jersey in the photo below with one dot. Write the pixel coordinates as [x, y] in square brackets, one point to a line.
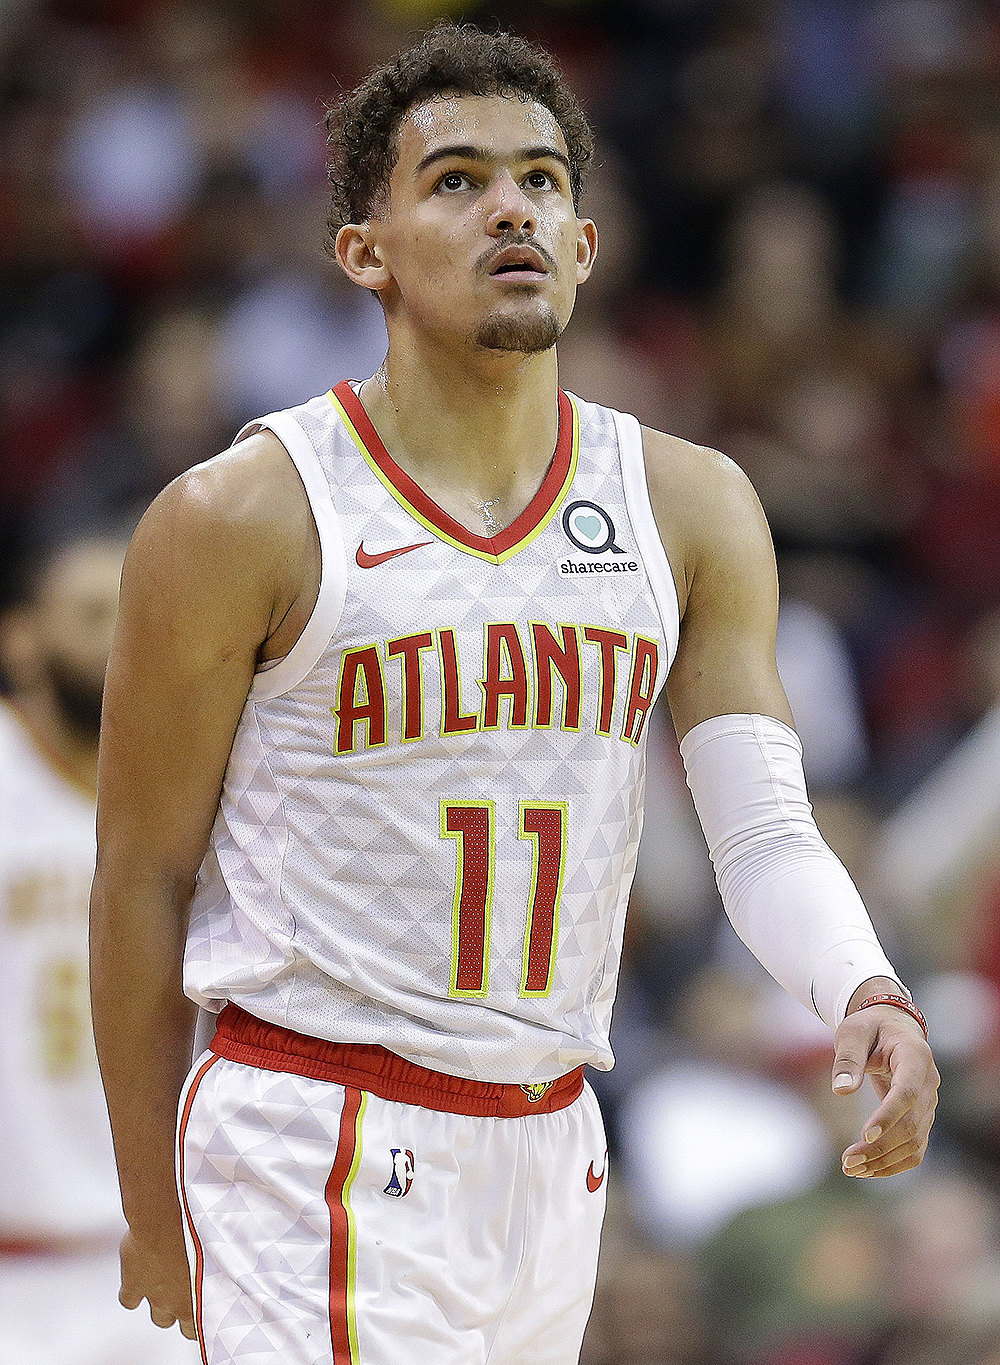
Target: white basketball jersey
[431, 813]
[57, 1172]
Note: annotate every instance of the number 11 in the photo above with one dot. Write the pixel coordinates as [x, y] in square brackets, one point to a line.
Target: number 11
[472, 825]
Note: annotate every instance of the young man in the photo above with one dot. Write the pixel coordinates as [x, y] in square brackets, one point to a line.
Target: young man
[377, 703]
[60, 1218]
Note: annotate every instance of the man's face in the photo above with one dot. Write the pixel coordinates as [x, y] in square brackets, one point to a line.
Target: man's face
[480, 236]
[71, 624]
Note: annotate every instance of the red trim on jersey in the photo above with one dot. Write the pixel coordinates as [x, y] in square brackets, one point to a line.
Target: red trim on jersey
[535, 512]
[241, 1037]
[340, 1229]
[199, 1255]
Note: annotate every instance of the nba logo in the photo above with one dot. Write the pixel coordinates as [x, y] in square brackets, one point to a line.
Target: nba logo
[402, 1174]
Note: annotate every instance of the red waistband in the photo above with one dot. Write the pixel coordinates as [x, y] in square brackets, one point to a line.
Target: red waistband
[240, 1037]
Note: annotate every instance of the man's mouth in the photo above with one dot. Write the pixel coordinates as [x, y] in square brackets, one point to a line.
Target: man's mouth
[516, 261]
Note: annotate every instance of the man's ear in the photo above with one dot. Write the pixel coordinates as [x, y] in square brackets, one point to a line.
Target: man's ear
[586, 248]
[358, 257]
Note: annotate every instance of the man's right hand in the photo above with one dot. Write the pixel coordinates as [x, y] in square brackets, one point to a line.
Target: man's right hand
[157, 1270]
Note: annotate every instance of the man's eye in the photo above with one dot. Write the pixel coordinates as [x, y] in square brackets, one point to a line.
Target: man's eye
[540, 180]
[454, 180]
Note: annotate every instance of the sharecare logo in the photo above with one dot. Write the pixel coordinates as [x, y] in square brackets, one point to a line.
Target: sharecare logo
[568, 567]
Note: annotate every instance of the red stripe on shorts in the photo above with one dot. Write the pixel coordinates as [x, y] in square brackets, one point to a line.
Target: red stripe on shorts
[199, 1255]
[340, 1229]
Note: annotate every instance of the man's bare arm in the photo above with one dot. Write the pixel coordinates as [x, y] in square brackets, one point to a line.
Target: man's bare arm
[222, 569]
[716, 538]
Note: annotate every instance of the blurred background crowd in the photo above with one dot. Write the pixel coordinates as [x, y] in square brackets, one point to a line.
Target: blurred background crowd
[799, 203]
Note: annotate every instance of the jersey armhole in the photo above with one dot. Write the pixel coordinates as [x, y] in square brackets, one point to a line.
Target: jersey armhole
[303, 656]
[640, 510]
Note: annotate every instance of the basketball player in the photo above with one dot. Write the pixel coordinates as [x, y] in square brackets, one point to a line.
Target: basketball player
[374, 723]
[60, 1217]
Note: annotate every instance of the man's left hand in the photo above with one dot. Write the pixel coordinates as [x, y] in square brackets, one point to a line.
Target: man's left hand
[888, 1045]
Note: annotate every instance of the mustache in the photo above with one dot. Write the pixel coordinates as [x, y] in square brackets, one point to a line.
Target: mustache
[485, 263]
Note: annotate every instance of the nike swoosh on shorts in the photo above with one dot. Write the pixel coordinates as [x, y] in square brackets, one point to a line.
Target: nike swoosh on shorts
[594, 1182]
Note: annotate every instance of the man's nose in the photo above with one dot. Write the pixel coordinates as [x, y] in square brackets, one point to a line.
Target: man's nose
[510, 209]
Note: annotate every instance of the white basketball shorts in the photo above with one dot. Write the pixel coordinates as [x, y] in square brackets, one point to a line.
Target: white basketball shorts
[330, 1224]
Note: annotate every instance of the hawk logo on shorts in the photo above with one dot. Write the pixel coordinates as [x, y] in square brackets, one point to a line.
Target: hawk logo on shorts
[535, 1092]
[402, 1174]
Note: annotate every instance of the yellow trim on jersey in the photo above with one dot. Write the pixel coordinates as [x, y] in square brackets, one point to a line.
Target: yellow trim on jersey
[352, 1234]
[437, 530]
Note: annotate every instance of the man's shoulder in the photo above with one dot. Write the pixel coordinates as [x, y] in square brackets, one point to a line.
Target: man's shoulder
[250, 493]
[688, 459]
[242, 479]
[231, 539]
[694, 481]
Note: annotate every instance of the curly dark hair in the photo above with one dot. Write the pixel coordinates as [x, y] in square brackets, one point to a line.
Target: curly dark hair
[451, 59]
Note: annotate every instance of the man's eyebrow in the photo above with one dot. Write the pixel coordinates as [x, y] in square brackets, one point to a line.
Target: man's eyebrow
[467, 152]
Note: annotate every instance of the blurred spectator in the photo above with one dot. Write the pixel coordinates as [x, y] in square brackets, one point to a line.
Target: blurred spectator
[296, 326]
[169, 416]
[60, 1216]
[804, 1280]
[818, 677]
[648, 1306]
[712, 1133]
[800, 214]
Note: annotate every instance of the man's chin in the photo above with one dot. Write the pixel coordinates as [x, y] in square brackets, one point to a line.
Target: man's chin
[524, 335]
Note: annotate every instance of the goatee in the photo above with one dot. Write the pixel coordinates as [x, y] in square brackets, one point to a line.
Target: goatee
[79, 699]
[526, 335]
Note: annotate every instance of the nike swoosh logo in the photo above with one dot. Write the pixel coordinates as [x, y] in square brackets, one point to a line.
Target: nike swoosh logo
[367, 561]
[594, 1182]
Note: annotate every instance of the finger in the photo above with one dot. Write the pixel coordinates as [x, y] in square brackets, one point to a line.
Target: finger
[903, 1159]
[907, 1088]
[845, 1082]
[866, 1160]
[162, 1316]
[912, 1079]
[860, 1152]
[912, 1130]
[851, 1058]
[128, 1298]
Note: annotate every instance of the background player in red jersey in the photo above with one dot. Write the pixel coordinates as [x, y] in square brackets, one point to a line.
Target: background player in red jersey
[466, 227]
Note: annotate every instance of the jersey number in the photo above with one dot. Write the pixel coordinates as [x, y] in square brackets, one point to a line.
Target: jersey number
[472, 824]
[63, 1006]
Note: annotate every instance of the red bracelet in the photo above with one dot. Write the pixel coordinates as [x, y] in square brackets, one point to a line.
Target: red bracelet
[900, 1002]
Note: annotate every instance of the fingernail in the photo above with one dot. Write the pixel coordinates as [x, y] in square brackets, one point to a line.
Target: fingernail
[843, 1081]
[855, 1159]
[873, 1134]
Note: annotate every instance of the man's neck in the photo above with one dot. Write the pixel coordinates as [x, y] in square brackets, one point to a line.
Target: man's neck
[71, 753]
[479, 439]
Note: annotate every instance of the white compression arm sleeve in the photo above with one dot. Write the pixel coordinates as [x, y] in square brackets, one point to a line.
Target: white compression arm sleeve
[788, 895]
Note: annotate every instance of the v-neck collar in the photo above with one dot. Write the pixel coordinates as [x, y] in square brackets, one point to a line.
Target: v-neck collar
[531, 522]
